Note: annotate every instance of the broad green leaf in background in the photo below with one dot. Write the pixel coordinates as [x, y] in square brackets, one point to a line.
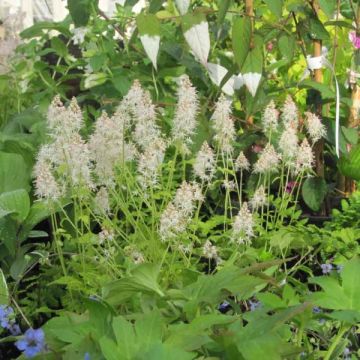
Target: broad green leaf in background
[149, 31]
[80, 10]
[142, 280]
[336, 296]
[275, 6]
[4, 291]
[349, 164]
[93, 80]
[182, 6]
[252, 69]
[13, 172]
[287, 45]
[196, 33]
[16, 201]
[317, 30]
[241, 37]
[314, 191]
[223, 8]
[328, 7]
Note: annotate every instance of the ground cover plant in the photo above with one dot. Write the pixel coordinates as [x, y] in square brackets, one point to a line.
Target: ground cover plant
[181, 183]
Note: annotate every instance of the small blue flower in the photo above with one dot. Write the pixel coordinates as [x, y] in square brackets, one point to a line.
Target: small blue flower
[224, 306]
[87, 356]
[254, 305]
[316, 310]
[326, 268]
[14, 329]
[5, 313]
[32, 343]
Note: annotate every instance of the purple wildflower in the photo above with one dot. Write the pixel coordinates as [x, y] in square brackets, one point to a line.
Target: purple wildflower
[254, 305]
[5, 313]
[354, 39]
[14, 329]
[326, 268]
[32, 343]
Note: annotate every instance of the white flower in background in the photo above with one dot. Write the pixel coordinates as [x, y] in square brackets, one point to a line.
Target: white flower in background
[268, 161]
[149, 163]
[314, 127]
[243, 227]
[64, 122]
[229, 185]
[186, 196]
[290, 115]
[79, 34]
[108, 148]
[106, 235]
[185, 249]
[102, 203]
[204, 165]
[288, 145]
[137, 257]
[305, 158]
[270, 117]
[259, 198]
[139, 104]
[184, 123]
[78, 162]
[45, 183]
[210, 251]
[223, 124]
[178, 213]
[241, 162]
[172, 222]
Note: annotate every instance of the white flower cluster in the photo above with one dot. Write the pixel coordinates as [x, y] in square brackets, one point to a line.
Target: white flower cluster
[66, 161]
[268, 161]
[178, 213]
[184, 123]
[204, 165]
[243, 226]
[223, 125]
[270, 117]
[315, 127]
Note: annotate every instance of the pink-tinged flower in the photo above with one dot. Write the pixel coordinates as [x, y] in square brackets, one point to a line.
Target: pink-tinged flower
[269, 46]
[290, 186]
[354, 39]
[257, 149]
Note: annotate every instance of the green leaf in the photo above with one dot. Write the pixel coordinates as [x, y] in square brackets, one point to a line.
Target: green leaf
[125, 338]
[317, 30]
[314, 191]
[351, 135]
[149, 330]
[340, 297]
[4, 291]
[275, 6]
[287, 46]
[223, 8]
[350, 282]
[254, 59]
[143, 280]
[80, 11]
[109, 349]
[241, 37]
[59, 46]
[16, 201]
[38, 29]
[13, 172]
[148, 24]
[349, 165]
[328, 7]
[93, 80]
